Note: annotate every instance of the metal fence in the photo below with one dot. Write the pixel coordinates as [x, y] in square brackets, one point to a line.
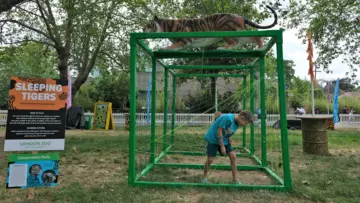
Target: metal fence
[193, 119]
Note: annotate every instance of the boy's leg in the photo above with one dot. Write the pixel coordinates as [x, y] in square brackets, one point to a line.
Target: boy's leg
[232, 157]
[211, 154]
[208, 162]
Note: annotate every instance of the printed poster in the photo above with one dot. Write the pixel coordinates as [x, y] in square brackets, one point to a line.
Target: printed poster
[32, 170]
[36, 114]
[103, 117]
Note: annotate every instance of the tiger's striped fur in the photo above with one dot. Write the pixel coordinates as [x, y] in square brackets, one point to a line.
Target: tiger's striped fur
[215, 22]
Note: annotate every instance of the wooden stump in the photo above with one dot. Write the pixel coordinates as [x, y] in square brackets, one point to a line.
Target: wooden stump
[314, 134]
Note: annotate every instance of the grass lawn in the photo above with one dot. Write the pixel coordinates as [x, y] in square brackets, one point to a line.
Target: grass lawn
[93, 168]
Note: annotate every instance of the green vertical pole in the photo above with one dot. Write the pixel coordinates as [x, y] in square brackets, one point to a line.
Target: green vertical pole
[263, 112]
[132, 139]
[166, 72]
[216, 97]
[153, 112]
[244, 107]
[173, 109]
[252, 109]
[283, 120]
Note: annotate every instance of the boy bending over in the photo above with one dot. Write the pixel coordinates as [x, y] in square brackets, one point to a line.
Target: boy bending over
[218, 139]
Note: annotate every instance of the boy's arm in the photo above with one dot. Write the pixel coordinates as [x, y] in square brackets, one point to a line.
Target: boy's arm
[221, 142]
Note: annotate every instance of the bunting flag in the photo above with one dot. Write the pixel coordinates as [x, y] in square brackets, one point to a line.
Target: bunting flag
[69, 91]
[336, 92]
[310, 56]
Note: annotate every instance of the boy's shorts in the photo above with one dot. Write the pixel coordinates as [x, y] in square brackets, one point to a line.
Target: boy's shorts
[212, 149]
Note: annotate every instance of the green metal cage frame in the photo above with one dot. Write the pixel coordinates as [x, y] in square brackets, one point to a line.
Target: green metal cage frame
[285, 183]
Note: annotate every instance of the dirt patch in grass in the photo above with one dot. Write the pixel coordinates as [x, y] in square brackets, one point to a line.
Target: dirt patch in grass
[97, 169]
[345, 152]
[246, 177]
[187, 159]
[215, 176]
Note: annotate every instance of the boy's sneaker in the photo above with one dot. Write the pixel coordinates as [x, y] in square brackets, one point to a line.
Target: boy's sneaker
[236, 182]
[205, 180]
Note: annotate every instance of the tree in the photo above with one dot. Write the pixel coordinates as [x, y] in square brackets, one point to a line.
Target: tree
[344, 84]
[334, 26]
[36, 22]
[301, 90]
[271, 69]
[27, 60]
[79, 32]
[110, 87]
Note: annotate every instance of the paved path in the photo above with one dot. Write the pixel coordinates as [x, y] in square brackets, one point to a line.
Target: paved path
[347, 125]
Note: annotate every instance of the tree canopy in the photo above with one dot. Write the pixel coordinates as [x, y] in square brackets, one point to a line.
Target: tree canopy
[27, 60]
[335, 28]
[80, 35]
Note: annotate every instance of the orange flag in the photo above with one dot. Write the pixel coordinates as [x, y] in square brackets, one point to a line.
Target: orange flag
[310, 56]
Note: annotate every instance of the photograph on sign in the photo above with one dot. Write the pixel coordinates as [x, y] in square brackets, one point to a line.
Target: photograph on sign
[32, 170]
[36, 114]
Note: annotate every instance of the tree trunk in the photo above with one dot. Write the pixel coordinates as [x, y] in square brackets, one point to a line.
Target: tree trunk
[63, 62]
[80, 80]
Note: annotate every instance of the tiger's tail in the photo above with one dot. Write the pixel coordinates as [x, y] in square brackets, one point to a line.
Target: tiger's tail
[255, 25]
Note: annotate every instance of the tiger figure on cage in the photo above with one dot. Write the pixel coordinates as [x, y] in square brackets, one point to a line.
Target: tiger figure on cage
[214, 22]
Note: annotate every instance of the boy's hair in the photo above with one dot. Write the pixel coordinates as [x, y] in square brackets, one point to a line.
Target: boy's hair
[247, 115]
[217, 115]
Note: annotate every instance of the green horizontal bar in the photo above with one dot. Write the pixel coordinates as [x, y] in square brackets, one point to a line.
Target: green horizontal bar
[247, 33]
[144, 47]
[187, 153]
[238, 147]
[208, 54]
[212, 67]
[202, 153]
[213, 166]
[273, 175]
[208, 75]
[230, 186]
[145, 171]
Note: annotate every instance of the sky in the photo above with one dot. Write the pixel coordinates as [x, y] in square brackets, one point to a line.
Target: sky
[295, 50]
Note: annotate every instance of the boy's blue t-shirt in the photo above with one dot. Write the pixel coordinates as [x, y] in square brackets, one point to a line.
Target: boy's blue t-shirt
[227, 123]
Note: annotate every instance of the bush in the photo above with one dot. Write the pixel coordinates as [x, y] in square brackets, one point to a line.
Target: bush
[350, 102]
